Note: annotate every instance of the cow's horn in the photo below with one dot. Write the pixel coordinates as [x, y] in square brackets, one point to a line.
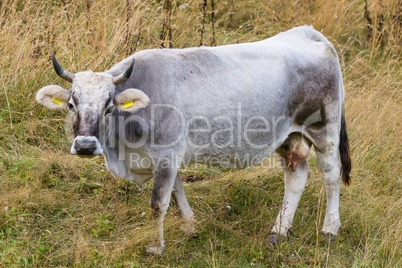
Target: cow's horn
[124, 76]
[60, 71]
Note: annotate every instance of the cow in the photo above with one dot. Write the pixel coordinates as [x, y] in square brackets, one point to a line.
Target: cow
[230, 106]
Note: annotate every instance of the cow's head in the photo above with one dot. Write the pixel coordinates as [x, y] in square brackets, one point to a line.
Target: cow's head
[90, 100]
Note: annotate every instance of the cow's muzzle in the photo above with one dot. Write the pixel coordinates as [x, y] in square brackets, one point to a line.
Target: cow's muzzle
[86, 146]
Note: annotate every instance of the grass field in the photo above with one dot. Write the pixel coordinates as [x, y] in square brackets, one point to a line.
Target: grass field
[60, 210]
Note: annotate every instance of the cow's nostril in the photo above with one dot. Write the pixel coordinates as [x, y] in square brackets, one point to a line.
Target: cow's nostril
[85, 147]
[77, 146]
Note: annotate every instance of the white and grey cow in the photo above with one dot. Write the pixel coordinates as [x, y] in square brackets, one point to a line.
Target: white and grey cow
[230, 106]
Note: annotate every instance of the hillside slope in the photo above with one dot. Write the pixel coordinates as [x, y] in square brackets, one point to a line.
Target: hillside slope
[60, 210]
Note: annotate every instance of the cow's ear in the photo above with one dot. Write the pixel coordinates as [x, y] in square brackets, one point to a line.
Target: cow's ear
[131, 100]
[53, 97]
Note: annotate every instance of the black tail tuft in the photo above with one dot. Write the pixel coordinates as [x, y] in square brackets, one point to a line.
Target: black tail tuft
[344, 152]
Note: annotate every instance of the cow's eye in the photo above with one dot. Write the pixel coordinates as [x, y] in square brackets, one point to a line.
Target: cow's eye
[71, 107]
[109, 110]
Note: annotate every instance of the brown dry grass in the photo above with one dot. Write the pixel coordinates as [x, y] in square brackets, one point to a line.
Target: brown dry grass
[56, 210]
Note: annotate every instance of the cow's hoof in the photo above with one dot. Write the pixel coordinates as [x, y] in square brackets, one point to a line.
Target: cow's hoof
[328, 237]
[273, 239]
[188, 228]
[154, 250]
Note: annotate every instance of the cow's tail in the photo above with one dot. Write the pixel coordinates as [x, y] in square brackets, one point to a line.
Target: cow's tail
[344, 152]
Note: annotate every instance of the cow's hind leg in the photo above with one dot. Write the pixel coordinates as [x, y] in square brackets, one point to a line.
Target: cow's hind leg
[185, 210]
[295, 182]
[329, 164]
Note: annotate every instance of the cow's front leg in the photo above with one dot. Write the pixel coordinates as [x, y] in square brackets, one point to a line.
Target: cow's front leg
[164, 178]
[295, 182]
[185, 210]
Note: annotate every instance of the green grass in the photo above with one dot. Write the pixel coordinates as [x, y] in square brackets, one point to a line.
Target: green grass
[60, 210]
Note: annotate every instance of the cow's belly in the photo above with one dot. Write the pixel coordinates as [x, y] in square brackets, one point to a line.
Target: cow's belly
[233, 158]
[237, 146]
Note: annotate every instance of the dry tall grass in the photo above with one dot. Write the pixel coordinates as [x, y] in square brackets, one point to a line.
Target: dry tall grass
[57, 210]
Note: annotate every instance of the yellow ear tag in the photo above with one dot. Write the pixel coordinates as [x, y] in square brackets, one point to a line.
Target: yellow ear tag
[128, 104]
[57, 101]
